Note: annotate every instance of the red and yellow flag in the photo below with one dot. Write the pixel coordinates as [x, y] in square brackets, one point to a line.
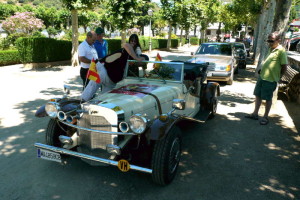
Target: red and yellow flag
[157, 65]
[92, 73]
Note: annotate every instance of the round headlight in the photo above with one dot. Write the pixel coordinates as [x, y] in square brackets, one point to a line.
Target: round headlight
[51, 109]
[138, 123]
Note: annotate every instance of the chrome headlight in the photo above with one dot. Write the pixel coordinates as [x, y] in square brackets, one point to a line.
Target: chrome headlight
[52, 108]
[138, 124]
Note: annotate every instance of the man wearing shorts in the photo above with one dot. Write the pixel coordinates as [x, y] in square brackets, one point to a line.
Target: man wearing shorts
[272, 68]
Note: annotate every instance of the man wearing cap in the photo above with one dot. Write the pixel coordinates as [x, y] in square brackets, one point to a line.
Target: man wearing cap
[101, 44]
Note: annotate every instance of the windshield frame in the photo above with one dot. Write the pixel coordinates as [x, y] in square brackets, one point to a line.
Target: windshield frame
[179, 64]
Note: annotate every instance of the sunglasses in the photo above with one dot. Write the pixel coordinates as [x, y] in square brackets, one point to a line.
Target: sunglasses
[271, 41]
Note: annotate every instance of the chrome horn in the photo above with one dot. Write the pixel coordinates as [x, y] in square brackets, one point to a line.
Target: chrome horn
[61, 115]
[71, 119]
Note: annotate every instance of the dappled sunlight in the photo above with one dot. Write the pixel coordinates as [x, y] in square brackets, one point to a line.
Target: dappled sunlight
[12, 117]
[7, 147]
[275, 186]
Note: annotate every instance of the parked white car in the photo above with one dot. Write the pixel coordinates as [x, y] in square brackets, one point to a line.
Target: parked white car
[221, 60]
[136, 125]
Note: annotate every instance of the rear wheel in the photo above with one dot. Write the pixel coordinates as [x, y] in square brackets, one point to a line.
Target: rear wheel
[54, 130]
[166, 157]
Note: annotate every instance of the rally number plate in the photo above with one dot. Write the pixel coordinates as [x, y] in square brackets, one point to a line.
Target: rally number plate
[48, 155]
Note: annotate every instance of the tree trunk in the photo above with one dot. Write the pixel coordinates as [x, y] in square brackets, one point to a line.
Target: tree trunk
[123, 36]
[180, 44]
[264, 30]
[75, 61]
[169, 36]
[281, 19]
[142, 28]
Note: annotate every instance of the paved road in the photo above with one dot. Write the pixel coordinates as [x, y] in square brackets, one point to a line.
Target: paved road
[228, 157]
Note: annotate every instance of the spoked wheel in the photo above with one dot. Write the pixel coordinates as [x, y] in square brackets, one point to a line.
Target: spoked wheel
[54, 130]
[166, 157]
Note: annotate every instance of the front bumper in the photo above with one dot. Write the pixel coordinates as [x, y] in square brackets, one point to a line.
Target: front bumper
[88, 157]
[218, 76]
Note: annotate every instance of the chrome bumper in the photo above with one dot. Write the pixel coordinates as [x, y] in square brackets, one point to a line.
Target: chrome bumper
[88, 157]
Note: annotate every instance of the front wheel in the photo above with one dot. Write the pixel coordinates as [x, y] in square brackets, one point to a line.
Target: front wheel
[166, 157]
[54, 130]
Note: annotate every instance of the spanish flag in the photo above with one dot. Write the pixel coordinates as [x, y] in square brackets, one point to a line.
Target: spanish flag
[156, 65]
[92, 73]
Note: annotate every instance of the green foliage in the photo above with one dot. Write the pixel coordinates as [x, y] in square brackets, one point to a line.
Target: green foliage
[80, 4]
[9, 57]
[7, 10]
[113, 45]
[194, 41]
[52, 31]
[33, 50]
[122, 13]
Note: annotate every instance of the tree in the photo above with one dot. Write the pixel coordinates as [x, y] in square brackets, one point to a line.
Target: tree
[170, 10]
[74, 6]
[274, 17]
[122, 14]
[24, 22]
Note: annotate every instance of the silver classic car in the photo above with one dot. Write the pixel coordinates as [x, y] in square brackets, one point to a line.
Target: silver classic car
[135, 126]
[220, 58]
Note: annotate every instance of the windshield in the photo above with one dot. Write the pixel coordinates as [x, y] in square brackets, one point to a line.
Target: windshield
[239, 46]
[166, 71]
[215, 48]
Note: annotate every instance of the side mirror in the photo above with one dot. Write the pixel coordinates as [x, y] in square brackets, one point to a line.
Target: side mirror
[178, 104]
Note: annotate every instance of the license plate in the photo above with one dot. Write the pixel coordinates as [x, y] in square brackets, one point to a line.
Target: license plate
[48, 155]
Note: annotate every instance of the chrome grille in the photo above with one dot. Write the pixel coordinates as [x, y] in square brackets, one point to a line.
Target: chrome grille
[95, 140]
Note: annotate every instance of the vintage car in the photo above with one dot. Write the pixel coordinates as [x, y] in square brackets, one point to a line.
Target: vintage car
[135, 126]
[220, 56]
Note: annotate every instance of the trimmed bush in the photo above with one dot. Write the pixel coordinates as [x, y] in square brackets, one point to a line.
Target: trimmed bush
[9, 57]
[194, 41]
[36, 50]
[113, 45]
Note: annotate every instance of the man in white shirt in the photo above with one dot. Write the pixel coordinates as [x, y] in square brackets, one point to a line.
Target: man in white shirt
[87, 52]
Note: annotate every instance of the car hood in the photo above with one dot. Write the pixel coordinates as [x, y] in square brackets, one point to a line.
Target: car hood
[217, 59]
[134, 98]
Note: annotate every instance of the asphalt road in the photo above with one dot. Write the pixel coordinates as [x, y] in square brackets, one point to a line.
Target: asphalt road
[228, 157]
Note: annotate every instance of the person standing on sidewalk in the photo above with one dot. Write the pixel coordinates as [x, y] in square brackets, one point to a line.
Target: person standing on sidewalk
[273, 67]
[100, 44]
[87, 52]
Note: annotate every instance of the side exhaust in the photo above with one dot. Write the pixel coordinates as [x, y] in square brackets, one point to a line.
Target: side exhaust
[88, 157]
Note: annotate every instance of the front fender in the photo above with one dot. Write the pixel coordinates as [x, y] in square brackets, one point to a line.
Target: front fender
[160, 128]
[41, 112]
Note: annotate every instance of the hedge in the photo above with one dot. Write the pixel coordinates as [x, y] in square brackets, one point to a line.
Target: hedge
[194, 41]
[35, 50]
[9, 57]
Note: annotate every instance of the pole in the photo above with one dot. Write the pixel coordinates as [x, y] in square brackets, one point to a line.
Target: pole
[150, 36]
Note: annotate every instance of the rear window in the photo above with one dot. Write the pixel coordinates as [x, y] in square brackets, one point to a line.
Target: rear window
[219, 49]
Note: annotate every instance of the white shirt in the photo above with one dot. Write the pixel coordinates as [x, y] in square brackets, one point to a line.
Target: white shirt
[87, 51]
